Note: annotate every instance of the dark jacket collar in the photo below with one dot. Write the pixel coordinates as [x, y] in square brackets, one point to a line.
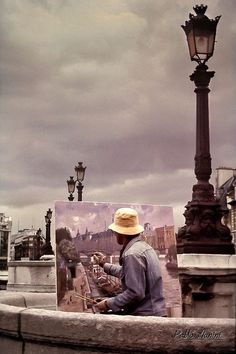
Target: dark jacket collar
[135, 239]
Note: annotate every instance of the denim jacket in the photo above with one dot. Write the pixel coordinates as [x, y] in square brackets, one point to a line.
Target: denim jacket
[140, 274]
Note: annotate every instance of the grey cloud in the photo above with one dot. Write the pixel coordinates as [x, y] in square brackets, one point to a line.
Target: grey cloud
[107, 83]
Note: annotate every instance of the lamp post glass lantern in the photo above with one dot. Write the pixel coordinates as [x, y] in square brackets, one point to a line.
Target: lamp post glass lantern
[80, 171]
[71, 183]
[49, 214]
[203, 231]
[71, 187]
[200, 32]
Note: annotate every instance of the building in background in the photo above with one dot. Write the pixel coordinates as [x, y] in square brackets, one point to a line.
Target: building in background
[26, 245]
[226, 192]
[5, 230]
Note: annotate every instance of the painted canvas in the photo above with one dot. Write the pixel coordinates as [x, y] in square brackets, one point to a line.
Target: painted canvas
[82, 230]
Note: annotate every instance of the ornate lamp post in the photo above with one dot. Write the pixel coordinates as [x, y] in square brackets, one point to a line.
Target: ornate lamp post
[80, 172]
[203, 231]
[47, 249]
[37, 249]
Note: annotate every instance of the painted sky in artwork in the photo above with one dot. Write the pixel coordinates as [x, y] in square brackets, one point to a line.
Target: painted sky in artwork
[96, 217]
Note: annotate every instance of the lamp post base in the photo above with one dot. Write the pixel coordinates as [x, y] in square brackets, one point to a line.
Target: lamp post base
[47, 249]
[203, 231]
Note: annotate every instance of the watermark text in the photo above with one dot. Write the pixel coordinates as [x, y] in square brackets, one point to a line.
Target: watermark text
[191, 334]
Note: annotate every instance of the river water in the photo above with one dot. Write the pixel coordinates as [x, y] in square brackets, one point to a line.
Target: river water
[171, 288]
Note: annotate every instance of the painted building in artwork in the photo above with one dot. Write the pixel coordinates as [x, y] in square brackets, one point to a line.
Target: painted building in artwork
[226, 192]
[5, 229]
[91, 242]
[160, 238]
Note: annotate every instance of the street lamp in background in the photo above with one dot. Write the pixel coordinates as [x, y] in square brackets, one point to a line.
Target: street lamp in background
[80, 172]
[203, 231]
[47, 249]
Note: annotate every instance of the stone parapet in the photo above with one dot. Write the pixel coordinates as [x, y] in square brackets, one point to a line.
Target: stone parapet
[32, 276]
[28, 300]
[226, 262]
[33, 331]
[208, 285]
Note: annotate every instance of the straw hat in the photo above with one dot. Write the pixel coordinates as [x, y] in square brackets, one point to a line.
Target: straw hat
[126, 222]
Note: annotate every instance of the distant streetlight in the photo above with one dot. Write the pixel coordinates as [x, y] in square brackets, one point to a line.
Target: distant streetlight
[37, 249]
[47, 249]
[203, 231]
[80, 173]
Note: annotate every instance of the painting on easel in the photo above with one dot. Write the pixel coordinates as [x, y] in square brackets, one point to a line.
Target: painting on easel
[82, 230]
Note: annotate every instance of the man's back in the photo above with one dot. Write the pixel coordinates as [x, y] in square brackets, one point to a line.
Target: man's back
[141, 272]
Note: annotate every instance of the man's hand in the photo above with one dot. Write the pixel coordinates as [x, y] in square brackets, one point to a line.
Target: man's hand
[99, 258]
[102, 306]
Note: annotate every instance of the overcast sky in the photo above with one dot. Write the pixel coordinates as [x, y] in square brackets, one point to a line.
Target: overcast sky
[106, 82]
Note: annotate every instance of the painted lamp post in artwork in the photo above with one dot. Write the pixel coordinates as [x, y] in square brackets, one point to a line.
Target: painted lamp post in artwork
[203, 231]
[71, 183]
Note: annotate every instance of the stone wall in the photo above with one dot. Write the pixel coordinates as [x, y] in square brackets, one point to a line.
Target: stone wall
[32, 276]
[33, 331]
[208, 285]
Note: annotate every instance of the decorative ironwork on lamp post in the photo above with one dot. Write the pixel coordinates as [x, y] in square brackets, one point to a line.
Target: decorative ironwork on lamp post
[80, 173]
[47, 249]
[203, 231]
